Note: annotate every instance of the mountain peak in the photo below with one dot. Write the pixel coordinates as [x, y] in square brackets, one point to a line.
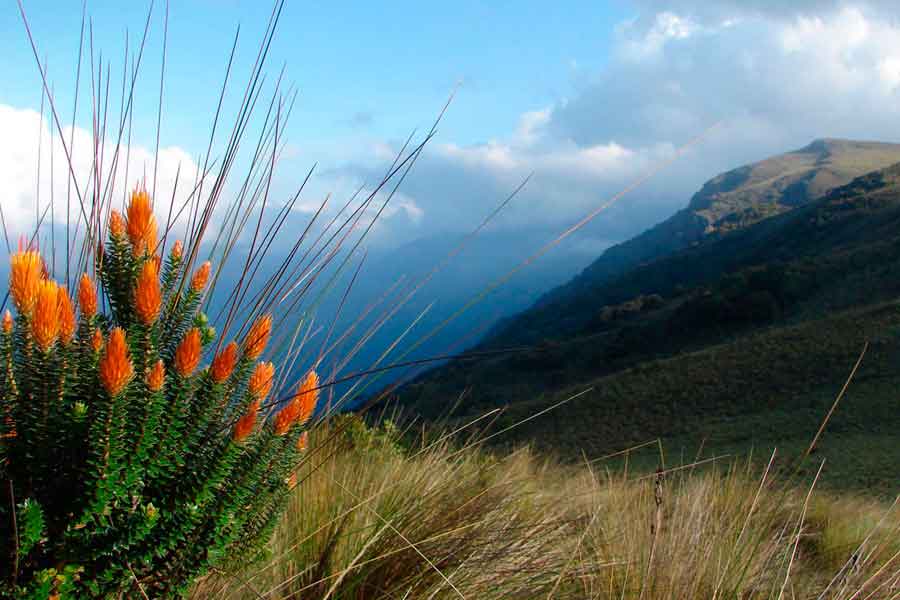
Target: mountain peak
[730, 201]
[829, 145]
[753, 192]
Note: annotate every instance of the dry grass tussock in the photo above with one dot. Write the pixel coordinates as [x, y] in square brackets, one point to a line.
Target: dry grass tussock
[373, 520]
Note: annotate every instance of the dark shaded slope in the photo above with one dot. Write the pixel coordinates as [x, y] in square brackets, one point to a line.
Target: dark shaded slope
[737, 339]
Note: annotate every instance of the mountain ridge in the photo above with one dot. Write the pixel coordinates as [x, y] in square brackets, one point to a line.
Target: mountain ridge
[783, 305]
[728, 202]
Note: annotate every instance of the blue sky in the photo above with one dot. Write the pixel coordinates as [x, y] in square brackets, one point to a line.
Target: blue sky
[364, 69]
[586, 96]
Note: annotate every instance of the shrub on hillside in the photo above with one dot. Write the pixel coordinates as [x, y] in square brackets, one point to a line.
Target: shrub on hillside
[125, 466]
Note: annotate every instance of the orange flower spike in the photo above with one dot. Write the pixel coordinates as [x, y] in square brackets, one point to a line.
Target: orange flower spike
[177, 250]
[258, 337]
[201, 276]
[25, 277]
[115, 366]
[66, 316]
[116, 224]
[244, 427]
[97, 340]
[147, 297]
[141, 226]
[303, 441]
[187, 355]
[45, 325]
[286, 417]
[7, 322]
[223, 363]
[307, 396]
[87, 296]
[156, 377]
[261, 380]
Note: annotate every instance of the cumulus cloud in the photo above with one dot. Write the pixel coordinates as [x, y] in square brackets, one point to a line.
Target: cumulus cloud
[775, 75]
[26, 185]
[728, 10]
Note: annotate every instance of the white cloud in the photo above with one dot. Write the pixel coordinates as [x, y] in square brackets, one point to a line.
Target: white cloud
[637, 42]
[21, 179]
[776, 75]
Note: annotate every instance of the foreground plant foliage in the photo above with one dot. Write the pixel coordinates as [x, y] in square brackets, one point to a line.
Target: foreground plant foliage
[125, 466]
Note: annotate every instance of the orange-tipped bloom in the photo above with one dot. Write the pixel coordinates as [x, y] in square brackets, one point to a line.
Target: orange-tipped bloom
[156, 377]
[307, 396]
[258, 337]
[187, 355]
[66, 316]
[87, 296]
[7, 322]
[286, 417]
[301, 406]
[244, 427]
[115, 366]
[261, 380]
[291, 481]
[303, 441]
[223, 363]
[177, 250]
[141, 226]
[45, 325]
[97, 340]
[25, 277]
[201, 276]
[116, 224]
[147, 297]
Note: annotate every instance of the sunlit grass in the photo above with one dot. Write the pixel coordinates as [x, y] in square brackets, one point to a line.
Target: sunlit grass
[374, 520]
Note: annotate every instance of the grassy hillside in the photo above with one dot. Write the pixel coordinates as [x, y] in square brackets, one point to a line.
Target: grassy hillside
[375, 520]
[741, 341]
[772, 388]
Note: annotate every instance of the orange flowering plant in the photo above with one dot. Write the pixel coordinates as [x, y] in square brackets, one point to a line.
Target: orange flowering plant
[132, 466]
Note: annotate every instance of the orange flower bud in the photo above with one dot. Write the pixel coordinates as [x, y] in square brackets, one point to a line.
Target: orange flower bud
[141, 225]
[7, 322]
[291, 482]
[87, 296]
[301, 406]
[201, 276]
[115, 366]
[97, 340]
[285, 418]
[66, 316]
[258, 337]
[147, 297]
[177, 250]
[223, 363]
[244, 427]
[46, 315]
[25, 276]
[303, 441]
[116, 224]
[261, 380]
[187, 355]
[307, 396]
[156, 377]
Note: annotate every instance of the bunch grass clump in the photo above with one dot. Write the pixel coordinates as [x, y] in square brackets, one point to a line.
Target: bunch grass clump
[127, 467]
[376, 519]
